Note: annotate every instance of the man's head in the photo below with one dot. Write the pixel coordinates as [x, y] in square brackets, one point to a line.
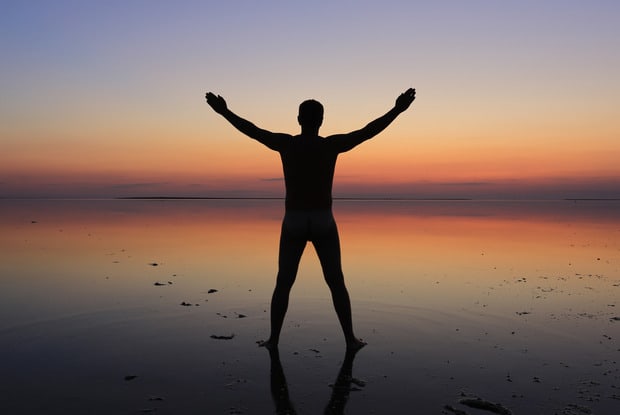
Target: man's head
[310, 114]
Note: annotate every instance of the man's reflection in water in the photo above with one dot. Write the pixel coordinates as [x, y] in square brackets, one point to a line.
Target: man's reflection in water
[340, 389]
[342, 386]
[279, 388]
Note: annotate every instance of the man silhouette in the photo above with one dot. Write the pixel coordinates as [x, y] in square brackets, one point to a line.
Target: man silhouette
[308, 161]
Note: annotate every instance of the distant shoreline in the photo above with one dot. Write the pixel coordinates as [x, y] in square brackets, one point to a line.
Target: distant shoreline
[449, 199]
[370, 199]
[281, 198]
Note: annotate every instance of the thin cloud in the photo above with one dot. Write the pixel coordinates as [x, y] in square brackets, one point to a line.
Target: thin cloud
[134, 186]
[463, 183]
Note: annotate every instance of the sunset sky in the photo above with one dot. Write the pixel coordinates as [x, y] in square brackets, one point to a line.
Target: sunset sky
[515, 99]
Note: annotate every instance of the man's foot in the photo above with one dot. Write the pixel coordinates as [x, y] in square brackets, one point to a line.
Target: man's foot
[267, 344]
[355, 344]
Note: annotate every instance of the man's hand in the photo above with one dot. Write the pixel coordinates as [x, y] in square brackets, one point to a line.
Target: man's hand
[405, 99]
[216, 102]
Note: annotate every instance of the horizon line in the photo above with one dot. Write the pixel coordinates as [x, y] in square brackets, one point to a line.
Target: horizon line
[455, 199]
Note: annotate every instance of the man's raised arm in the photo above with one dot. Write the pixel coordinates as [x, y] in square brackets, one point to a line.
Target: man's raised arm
[346, 142]
[272, 140]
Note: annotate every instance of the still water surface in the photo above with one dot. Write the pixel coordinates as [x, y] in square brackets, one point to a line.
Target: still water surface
[515, 302]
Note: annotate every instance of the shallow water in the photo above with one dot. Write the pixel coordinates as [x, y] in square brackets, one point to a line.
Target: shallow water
[514, 302]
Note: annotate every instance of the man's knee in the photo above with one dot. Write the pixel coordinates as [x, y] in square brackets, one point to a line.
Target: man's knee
[285, 280]
[335, 281]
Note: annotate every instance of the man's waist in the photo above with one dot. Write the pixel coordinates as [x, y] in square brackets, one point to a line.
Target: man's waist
[293, 203]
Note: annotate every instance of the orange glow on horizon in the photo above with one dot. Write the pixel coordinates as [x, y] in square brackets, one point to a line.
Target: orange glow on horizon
[389, 160]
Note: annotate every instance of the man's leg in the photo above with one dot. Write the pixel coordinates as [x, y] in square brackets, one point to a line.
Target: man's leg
[327, 245]
[292, 246]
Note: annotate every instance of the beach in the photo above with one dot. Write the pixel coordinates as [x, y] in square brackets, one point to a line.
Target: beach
[155, 306]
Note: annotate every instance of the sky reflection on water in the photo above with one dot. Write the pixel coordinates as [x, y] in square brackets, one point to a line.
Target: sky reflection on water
[515, 287]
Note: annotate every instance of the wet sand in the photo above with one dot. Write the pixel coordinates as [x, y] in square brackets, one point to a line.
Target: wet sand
[131, 308]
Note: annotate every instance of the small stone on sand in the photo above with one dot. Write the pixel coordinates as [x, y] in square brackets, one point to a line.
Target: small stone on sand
[479, 403]
[214, 336]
